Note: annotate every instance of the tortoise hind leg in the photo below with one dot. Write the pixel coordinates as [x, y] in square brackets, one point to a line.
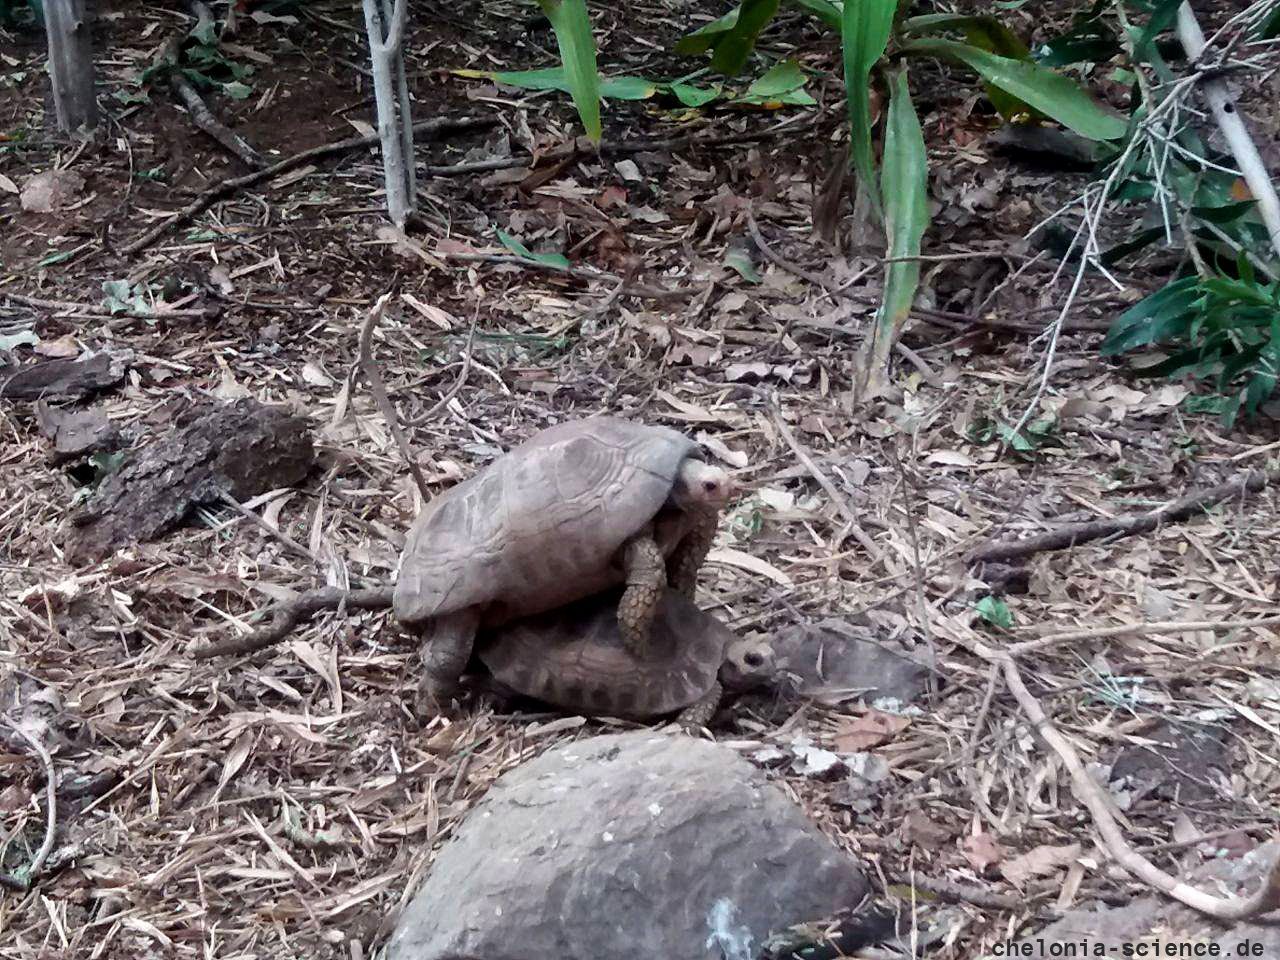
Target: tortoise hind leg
[446, 648]
[699, 713]
[692, 552]
[646, 579]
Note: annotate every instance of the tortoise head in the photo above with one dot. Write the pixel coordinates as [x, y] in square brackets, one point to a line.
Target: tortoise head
[748, 663]
[699, 485]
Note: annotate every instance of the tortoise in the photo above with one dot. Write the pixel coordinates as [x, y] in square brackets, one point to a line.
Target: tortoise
[579, 507]
[575, 658]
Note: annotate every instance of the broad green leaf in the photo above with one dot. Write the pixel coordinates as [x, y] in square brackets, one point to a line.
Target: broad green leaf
[572, 25]
[1140, 324]
[995, 611]
[904, 176]
[828, 13]
[558, 260]
[740, 261]
[1162, 18]
[1054, 95]
[782, 84]
[706, 37]
[733, 49]
[237, 90]
[692, 96]
[553, 78]
[864, 37]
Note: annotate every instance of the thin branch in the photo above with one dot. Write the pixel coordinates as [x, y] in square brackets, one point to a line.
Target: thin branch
[1264, 900]
[1137, 629]
[219, 190]
[15, 881]
[288, 615]
[379, 388]
[1076, 533]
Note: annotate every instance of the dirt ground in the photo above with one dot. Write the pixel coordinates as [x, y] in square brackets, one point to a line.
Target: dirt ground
[286, 804]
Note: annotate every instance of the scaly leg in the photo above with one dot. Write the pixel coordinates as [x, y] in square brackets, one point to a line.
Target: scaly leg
[699, 713]
[692, 553]
[446, 648]
[646, 579]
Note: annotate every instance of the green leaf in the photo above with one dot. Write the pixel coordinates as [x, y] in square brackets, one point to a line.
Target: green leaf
[1053, 94]
[1135, 327]
[692, 96]
[706, 37]
[53, 258]
[557, 260]
[733, 49]
[828, 13]
[995, 611]
[204, 33]
[237, 90]
[864, 37]
[739, 260]
[572, 26]
[904, 175]
[782, 84]
[553, 78]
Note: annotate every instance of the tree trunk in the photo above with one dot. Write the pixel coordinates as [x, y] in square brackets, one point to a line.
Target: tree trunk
[71, 64]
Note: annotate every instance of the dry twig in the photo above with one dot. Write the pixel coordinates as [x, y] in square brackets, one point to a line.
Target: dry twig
[288, 615]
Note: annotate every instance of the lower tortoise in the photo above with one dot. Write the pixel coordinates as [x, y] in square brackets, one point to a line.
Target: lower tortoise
[576, 658]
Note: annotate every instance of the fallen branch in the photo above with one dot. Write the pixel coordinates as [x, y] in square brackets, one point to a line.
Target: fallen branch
[21, 880]
[1264, 900]
[219, 190]
[288, 615]
[1135, 629]
[379, 389]
[203, 118]
[1076, 533]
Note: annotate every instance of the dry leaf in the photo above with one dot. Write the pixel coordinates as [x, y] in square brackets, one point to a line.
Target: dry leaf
[1038, 862]
[869, 730]
[745, 561]
[982, 851]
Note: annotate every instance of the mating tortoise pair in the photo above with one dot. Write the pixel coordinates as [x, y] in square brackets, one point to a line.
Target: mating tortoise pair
[574, 559]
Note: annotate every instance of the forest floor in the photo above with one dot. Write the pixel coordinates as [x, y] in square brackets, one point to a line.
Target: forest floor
[185, 847]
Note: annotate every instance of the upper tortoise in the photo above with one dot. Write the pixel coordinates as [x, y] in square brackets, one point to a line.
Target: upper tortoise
[579, 507]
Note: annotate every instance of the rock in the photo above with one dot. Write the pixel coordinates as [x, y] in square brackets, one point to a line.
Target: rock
[241, 449]
[63, 379]
[1179, 765]
[1161, 922]
[76, 433]
[50, 191]
[838, 657]
[627, 846]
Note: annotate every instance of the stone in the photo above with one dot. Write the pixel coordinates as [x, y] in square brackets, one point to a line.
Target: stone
[628, 846]
[836, 657]
[51, 190]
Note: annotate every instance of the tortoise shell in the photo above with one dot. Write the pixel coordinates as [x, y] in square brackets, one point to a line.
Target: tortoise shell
[543, 525]
[574, 658]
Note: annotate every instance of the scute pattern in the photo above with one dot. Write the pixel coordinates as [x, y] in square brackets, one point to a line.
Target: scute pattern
[574, 658]
[541, 526]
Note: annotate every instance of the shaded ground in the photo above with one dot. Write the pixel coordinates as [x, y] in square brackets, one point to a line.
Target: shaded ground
[188, 852]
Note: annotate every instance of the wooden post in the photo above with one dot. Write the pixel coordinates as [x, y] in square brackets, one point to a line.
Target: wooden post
[71, 64]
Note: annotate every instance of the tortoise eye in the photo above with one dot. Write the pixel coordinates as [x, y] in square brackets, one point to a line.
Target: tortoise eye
[710, 486]
[753, 660]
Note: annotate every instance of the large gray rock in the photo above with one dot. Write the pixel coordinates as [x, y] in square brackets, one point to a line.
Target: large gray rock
[628, 847]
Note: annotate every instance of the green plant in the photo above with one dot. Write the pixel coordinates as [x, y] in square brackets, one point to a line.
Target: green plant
[1223, 329]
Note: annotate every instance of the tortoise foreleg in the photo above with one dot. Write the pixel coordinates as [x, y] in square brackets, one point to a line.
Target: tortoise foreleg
[692, 552]
[446, 648]
[699, 713]
[646, 579]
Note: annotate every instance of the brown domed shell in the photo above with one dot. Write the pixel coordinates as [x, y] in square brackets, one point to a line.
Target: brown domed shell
[542, 525]
[574, 658]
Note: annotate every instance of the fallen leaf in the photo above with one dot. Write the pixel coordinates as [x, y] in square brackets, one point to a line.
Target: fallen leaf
[871, 729]
[7, 185]
[982, 851]
[314, 375]
[735, 458]
[1040, 861]
[51, 190]
[950, 458]
[919, 830]
[736, 558]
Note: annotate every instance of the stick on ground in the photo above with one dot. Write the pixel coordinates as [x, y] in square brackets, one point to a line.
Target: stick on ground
[288, 615]
[1075, 533]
